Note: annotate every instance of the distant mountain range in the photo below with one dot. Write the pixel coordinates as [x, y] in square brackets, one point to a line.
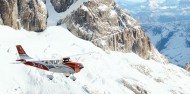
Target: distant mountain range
[48, 29]
[167, 23]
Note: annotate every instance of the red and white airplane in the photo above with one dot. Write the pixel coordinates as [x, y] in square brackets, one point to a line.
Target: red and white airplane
[56, 66]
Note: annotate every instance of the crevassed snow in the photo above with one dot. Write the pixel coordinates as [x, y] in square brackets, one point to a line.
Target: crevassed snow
[114, 73]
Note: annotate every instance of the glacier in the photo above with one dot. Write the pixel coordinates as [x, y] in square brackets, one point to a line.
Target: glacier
[167, 25]
[104, 73]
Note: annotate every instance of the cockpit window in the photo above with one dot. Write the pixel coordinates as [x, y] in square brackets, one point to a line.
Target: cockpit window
[50, 66]
[52, 62]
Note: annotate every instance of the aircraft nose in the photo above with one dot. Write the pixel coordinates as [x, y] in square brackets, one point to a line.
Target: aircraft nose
[81, 66]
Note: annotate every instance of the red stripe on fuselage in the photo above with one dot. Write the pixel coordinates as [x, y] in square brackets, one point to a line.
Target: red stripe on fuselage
[37, 65]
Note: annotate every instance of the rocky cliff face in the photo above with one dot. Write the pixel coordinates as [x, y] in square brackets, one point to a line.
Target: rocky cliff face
[8, 13]
[62, 5]
[31, 14]
[99, 21]
[108, 27]
[187, 67]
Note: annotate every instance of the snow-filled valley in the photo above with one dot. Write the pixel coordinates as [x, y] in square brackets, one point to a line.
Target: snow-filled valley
[103, 73]
[166, 22]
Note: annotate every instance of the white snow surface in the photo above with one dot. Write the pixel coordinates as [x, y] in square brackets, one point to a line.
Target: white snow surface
[113, 13]
[84, 8]
[176, 48]
[167, 26]
[103, 73]
[103, 7]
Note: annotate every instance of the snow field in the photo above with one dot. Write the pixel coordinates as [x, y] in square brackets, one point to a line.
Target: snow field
[114, 73]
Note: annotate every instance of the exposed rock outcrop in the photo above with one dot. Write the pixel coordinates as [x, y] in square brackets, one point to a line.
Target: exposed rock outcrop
[62, 5]
[187, 67]
[33, 14]
[1, 21]
[99, 21]
[110, 28]
[8, 13]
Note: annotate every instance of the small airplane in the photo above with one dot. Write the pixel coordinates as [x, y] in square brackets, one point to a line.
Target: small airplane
[56, 66]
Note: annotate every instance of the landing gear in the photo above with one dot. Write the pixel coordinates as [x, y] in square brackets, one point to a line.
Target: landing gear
[50, 77]
[72, 77]
[68, 75]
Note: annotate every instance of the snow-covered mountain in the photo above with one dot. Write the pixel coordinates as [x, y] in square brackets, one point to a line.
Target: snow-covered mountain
[104, 72]
[100, 21]
[167, 24]
[172, 39]
[123, 73]
[157, 10]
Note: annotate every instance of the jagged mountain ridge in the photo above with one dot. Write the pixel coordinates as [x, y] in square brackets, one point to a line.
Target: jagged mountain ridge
[62, 5]
[154, 11]
[104, 19]
[167, 25]
[172, 42]
[114, 73]
[103, 73]
[108, 27]
[29, 14]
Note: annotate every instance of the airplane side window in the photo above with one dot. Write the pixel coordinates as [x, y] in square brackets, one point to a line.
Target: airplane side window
[50, 66]
[55, 62]
[52, 62]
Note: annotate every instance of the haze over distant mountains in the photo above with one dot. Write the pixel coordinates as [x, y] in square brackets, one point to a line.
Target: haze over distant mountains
[166, 23]
[125, 61]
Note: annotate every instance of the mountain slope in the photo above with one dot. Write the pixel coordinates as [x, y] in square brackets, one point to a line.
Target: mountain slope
[103, 73]
[103, 23]
[123, 73]
[171, 39]
[100, 21]
[167, 25]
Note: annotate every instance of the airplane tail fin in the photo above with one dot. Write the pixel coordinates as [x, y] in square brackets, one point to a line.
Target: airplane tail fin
[22, 53]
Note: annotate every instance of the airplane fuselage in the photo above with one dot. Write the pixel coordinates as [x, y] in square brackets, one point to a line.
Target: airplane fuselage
[69, 67]
[58, 66]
